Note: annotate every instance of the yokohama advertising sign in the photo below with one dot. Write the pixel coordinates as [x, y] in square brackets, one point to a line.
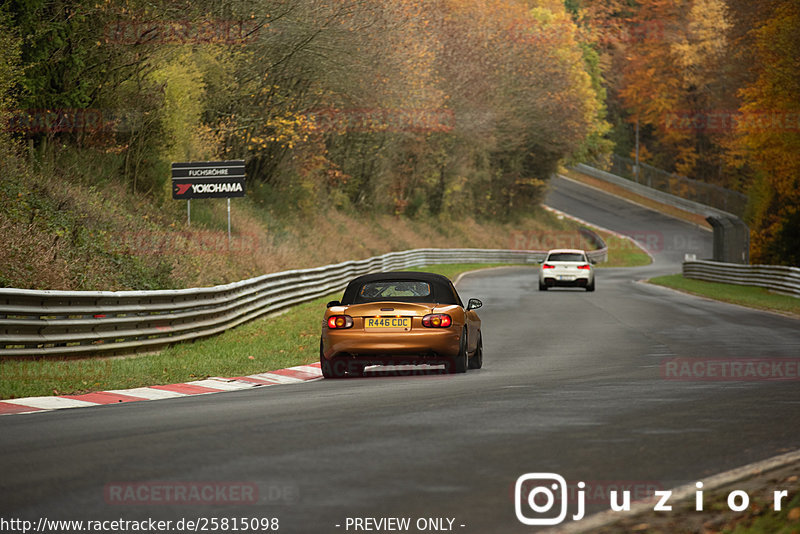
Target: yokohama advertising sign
[208, 179]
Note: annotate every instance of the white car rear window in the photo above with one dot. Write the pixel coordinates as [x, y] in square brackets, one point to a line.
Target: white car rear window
[566, 256]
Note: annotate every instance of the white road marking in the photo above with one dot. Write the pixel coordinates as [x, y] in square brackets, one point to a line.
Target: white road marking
[148, 393]
[51, 403]
[278, 378]
[222, 384]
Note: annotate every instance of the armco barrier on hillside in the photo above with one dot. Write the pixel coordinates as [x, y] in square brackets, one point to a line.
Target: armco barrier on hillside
[731, 242]
[776, 278]
[76, 323]
[731, 234]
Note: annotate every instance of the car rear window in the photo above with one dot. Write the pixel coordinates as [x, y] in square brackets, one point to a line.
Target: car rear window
[566, 256]
[393, 290]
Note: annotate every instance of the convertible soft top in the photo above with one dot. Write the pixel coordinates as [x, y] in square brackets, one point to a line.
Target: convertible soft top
[442, 289]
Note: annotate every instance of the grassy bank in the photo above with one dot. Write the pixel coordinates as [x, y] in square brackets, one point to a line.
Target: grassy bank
[623, 252]
[82, 233]
[750, 296]
[786, 521]
[760, 517]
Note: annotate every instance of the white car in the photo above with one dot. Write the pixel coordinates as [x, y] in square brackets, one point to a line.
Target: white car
[566, 268]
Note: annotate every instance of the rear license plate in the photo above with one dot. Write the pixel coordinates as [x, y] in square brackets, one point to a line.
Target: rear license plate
[566, 278]
[387, 323]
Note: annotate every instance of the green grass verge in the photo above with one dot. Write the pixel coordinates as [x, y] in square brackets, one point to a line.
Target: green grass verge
[787, 521]
[255, 347]
[262, 345]
[623, 253]
[750, 296]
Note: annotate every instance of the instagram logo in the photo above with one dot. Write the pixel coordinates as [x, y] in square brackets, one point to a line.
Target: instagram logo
[540, 492]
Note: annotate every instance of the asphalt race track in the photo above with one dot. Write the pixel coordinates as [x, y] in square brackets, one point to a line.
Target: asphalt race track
[572, 384]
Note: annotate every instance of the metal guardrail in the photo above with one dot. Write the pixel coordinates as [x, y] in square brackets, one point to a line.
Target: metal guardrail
[731, 241]
[776, 278]
[80, 323]
[669, 182]
[654, 194]
[731, 234]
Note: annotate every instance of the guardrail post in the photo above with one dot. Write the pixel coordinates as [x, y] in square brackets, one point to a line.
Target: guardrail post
[741, 244]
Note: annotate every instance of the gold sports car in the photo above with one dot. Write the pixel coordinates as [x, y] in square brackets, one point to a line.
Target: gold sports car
[400, 318]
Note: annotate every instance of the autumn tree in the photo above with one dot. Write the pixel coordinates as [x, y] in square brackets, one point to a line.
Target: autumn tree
[408, 107]
[769, 135]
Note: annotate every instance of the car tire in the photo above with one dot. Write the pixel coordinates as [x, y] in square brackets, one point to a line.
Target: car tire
[329, 370]
[460, 363]
[590, 287]
[542, 287]
[476, 362]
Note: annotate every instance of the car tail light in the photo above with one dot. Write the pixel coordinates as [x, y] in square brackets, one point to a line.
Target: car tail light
[340, 322]
[585, 267]
[437, 320]
[548, 266]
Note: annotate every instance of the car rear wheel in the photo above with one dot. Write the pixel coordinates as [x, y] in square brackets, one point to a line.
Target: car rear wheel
[460, 363]
[590, 287]
[329, 370]
[542, 287]
[476, 362]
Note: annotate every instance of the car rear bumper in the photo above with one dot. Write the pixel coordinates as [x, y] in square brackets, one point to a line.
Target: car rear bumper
[390, 347]
[555, 282]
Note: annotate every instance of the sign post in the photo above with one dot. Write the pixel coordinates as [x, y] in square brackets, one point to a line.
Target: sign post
[208, 179]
